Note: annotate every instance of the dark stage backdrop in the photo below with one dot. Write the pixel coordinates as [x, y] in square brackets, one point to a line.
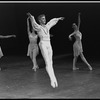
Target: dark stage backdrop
[13, 21]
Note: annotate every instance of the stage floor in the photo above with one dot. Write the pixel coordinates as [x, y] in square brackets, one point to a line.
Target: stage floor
[18, 80]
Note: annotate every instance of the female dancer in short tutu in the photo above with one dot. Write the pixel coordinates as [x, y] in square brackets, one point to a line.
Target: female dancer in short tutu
[32, 47]
[77, 47]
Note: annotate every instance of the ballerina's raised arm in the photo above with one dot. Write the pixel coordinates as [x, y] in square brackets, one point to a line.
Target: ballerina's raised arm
[35, 25]
[79, 21]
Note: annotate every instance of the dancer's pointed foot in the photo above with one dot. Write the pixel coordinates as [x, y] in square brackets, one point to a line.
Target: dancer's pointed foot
[54, 83]
[35, 67]
[75, 68]
[90, 67]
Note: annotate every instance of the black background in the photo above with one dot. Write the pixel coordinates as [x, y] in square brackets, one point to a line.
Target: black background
[13, 21]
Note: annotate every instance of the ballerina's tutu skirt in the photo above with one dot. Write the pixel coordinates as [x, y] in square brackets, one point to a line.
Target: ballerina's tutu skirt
[31, 48]
[77, 48]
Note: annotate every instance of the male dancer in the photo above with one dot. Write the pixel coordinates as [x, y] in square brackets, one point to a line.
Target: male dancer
[44, 44]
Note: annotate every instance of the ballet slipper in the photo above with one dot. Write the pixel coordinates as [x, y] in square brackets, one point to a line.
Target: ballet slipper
[35, 67]
[74, 68]
[54, 84]
[90, 67]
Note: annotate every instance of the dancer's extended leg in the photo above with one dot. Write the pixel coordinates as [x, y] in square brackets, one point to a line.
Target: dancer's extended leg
[85, 61]
[49, 68]
[50, 54]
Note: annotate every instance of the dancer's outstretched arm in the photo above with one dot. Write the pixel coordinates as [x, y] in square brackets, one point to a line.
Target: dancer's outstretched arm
[79, 21]
[53, 22]
[8, 36]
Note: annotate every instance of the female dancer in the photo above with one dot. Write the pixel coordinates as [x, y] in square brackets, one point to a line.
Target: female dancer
[32, 47]
[77, 47]
[45, 45]
[2, 37]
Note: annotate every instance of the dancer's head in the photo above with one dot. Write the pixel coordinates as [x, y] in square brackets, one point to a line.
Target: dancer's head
[42, 19]
[74, 26]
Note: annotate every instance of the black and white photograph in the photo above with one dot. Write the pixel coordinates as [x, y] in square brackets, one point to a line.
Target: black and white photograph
[49, 49]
